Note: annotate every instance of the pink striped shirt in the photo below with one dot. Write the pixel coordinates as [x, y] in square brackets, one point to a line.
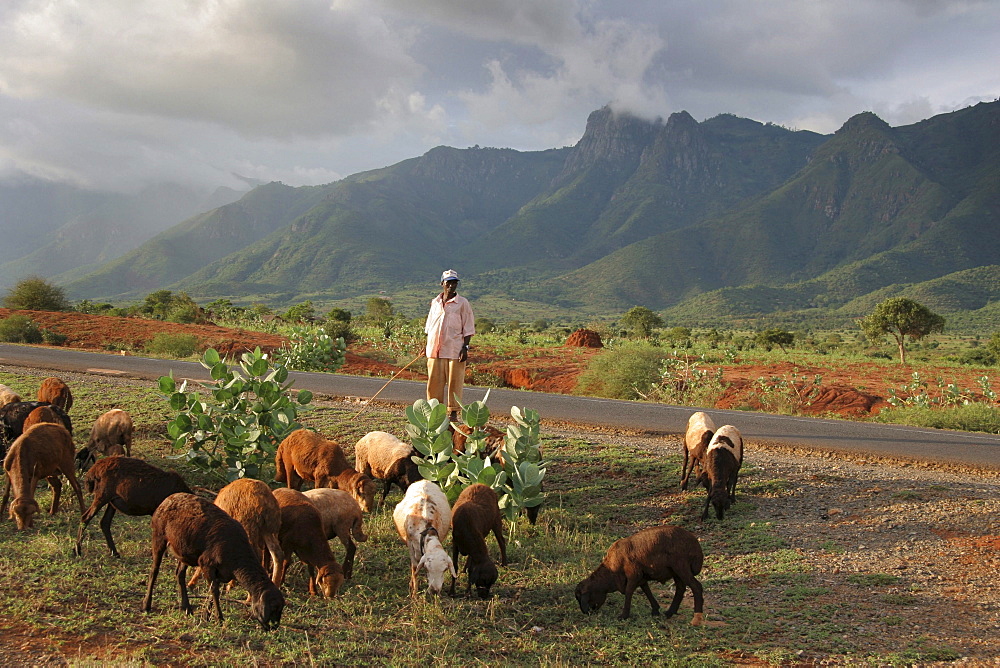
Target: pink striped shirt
[447, 326]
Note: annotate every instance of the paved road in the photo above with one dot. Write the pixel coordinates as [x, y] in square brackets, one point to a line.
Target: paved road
[951, 447]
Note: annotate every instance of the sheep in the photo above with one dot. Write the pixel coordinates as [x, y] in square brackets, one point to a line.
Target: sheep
[251, 503]
[304, 455]
[110, 435]
[302, 534]
[699, 432]
[723, 460]
[199, 533]
[8, 396]
[43, 451]
[657, 554]
[341, 517]
[12, 417]
[56, 392]
[40, 414]
[382, 456]
[475, 514]
[129, 485]
[423, 520]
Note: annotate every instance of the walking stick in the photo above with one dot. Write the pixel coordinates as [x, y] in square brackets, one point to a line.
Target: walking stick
[368, 403]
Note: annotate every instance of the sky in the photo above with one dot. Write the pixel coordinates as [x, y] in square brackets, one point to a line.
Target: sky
[119, 94]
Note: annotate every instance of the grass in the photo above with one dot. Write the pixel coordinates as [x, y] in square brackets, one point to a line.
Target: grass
[764, 597]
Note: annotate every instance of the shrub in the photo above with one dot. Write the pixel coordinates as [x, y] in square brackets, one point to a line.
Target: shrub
[175, 345]
[311, 349]
[340, 329]
[234, 432]
[36, 294]
[969, 417]
[622, 373]
[53, 338]
[19, 329]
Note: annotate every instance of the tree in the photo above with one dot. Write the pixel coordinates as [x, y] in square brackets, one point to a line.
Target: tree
[641, 320]
[379, 311]
[994, 345]
[775, 337]
[36, 294]
[902, 318]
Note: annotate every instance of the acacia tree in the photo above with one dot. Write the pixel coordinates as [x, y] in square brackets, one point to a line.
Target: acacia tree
[641, 320]
[36, 294]
[901, 318]
[775, 337]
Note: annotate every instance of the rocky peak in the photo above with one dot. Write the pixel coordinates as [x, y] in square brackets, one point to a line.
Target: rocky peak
[614, 139]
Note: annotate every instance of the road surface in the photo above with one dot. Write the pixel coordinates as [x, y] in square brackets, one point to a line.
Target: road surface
[930, 445]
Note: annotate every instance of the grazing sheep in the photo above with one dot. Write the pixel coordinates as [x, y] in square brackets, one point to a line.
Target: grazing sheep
[423, 520]
[723, 460]
[475, 514]
[110, 435]
[657, 554]
[12, 417]
[128, 485]
[56, 392]
[43, 451]
[40, 414]
[304, 455]
[699, 432]
[199, 533]
[302, 535]
[8, 396]
[384, 457]
[341, 517]
[251, 503]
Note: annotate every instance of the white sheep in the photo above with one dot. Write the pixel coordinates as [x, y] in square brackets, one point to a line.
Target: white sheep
[722, 463]
[341, 516]
[423, 520]
[696, 439]
[8, 396]
[381, 455]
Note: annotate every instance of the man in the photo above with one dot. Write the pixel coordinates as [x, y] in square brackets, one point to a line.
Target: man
[450, 326]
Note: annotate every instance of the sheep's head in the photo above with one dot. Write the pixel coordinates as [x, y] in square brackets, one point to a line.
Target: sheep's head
[483, 575]
[22, 511]
[719, 496]
[590, 595]
[437, 562]
[330, 579]
[363, 491]
[267, 608]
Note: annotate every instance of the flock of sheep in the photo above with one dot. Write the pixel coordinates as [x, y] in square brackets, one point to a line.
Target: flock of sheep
[249, 533]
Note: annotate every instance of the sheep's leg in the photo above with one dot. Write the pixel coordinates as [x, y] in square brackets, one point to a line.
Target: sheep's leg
[685, 472]
[197, 575]
[501, 542]
[56, 484]
[454, 560]
[680, 580]
[84, 521]
[182, 587]
[732, 485]
[630, 586]
[704, 513]
[277, 556]
[413, 579]
[654, 605]
[75, 484]
[159, 547]
[349, 558]
[109, 514]
[386, 485]
[213, 583]
[6, 498]
[312, 580]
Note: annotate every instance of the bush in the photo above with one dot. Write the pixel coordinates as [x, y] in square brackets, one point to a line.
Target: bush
[622, 373]
[36, 294]
[311, 349]
[53, 338]
[977, 416]
[19, 329]
[175, 345]
[340, 329]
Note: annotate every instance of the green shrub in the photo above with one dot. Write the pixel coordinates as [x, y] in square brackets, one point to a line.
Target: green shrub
[970, 417]
[622, 373]
[339, 329]
[19, 329]
[175, 345]
[312, 349]
[53, 338]
[36, 294]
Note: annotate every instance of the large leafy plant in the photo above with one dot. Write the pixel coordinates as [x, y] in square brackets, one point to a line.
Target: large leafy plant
[312, 349]
[517, 481]
[234, 431]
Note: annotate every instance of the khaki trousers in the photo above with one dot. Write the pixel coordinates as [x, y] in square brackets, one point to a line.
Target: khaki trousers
[441, 372]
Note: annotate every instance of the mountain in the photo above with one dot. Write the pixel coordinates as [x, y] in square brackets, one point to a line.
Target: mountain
[724, 217]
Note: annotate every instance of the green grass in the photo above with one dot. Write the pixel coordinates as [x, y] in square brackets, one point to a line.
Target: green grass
[766, 599]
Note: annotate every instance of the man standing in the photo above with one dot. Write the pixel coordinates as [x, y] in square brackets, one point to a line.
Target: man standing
[450, 326]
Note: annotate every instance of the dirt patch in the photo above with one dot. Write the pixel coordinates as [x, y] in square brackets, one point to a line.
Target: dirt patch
[585, 338]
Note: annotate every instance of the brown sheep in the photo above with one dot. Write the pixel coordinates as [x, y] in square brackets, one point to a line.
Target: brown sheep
[110, 435]
[474, 515]
[41, 414]
[696, 439]
[201, 534]
[304, 455]
[723, 460]
[302, 535]
[341, 517]
[56, 392]
[12, 417]
[127, 485]
[656, 554]
[382, 456]
[8, 396]
[43, 451]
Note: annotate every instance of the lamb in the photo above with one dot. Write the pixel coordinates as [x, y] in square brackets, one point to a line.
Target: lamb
[8, 396]
[129, 485]
[723, 460]
[56, 392]
[699, 432]
[12, 417]
[110, 435]
[423, 520]
[304, 455]
[302, 535]
[251, 503]
[475, 514]
[199, 533]
[43, 451]
[341, 517]
[657, 554]
[384, 457]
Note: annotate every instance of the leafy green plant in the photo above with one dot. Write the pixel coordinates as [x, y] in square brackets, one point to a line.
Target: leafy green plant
[19, 329]
[517, 481]
[175, 345]
[52, 337]
[234, 431]
[311, 349]
[685, 382]
[36, 294]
